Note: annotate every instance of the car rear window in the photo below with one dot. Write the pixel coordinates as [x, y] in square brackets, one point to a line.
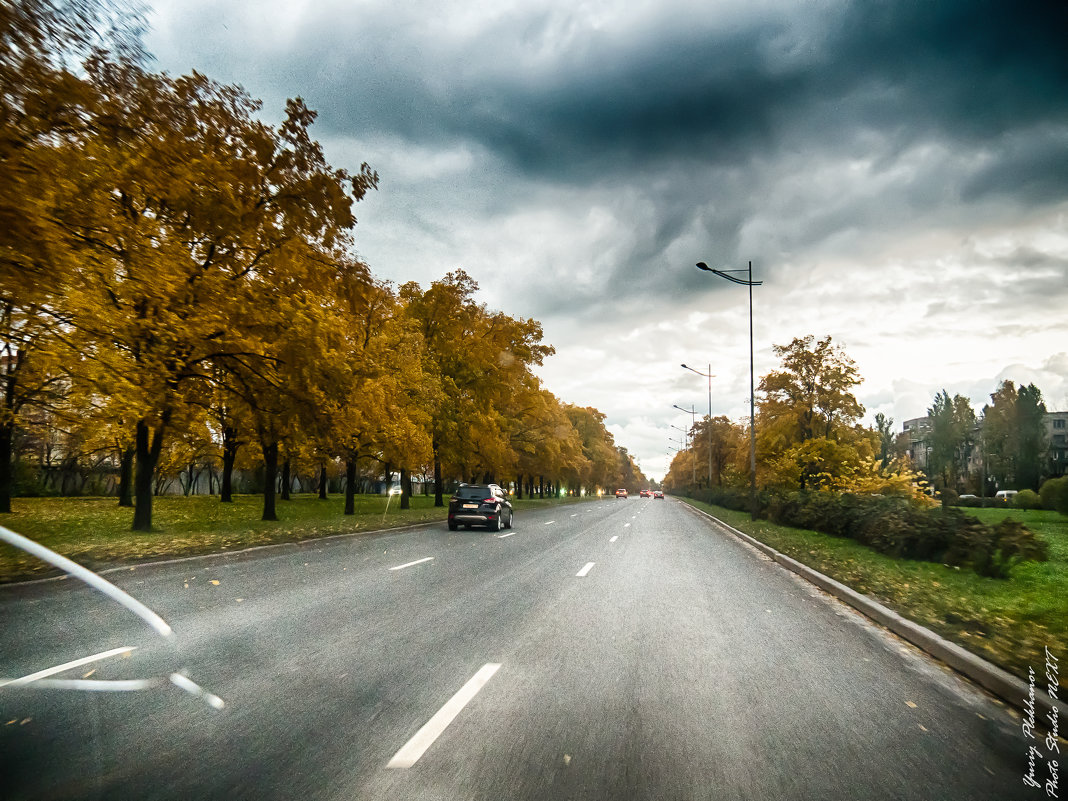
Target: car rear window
[478, 493]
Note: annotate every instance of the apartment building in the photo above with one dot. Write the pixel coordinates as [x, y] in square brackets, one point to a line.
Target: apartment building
[1057, 431]
[917, 431]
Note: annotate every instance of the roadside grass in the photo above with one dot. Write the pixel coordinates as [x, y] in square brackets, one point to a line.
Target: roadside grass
[96, 532]
[1009, 622]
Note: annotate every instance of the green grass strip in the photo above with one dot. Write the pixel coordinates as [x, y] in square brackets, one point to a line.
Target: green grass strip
[95, 532]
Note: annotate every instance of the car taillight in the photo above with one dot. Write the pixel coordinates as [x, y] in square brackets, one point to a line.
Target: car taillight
[489, 500]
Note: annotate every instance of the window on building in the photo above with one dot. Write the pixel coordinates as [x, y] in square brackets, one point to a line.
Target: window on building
[1058, 423]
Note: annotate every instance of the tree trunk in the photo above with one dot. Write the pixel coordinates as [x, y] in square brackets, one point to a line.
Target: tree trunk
[438, 500]
[519, 487]
[322, 482]
[350, 486]
[126, 462]
[541, 487]
[406, 489]
[270, 475]
[148, 447]
[230, 446]
[286, 478]
[7, 478]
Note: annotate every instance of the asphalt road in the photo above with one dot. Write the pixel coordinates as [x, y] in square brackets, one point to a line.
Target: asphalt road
[603, 650]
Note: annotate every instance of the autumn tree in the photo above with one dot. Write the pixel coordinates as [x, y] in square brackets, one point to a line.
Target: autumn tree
[190, 200]
[719, 448]
[806, 427]
[811, 395]
[630, 475]
[1014, 436]
[884, 427]
[386, 413]
[598, 447]
[478, 357]
[952, 438]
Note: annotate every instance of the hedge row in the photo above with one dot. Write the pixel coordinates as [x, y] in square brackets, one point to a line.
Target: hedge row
[895, 526]
[1053, 496]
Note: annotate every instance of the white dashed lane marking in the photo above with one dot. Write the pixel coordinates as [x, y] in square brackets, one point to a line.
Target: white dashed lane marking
[416, 562]
[432, 729]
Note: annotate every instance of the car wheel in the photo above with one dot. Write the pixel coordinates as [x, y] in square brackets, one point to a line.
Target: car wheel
[496, 526]
[452, 526]
[509, 519]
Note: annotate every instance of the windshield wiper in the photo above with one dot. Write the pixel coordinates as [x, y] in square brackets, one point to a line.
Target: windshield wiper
[159, 625]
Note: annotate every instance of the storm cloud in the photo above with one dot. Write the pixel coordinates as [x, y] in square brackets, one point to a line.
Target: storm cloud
[896, 171]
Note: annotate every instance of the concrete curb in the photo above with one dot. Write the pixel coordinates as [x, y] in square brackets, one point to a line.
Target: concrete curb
[1003, 684]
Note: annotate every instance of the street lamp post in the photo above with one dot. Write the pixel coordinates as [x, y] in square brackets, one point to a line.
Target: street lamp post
[749, 282]
[709, 376]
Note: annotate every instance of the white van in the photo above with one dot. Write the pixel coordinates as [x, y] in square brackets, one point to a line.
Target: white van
[1005, 496]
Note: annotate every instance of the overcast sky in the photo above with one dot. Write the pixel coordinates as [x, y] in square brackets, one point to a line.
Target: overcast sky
[897, 172]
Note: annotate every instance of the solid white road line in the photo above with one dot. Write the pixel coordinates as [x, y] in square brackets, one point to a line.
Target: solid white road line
[502, 536]
[432, 729]
[550, 522]
[582, 573]
[614, 538]
[416, 562]
[40, 674]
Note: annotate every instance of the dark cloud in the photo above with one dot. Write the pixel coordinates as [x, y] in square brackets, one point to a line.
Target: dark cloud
[572, 104]
[963, 70]
[579, 165]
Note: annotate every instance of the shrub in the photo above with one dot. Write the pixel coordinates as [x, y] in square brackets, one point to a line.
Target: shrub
[949, 497]
[996, 551]
[895, 526]
[1054, 494]
[1028, 499]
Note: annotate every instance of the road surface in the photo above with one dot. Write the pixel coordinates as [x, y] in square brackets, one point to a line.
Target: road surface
[610, 649]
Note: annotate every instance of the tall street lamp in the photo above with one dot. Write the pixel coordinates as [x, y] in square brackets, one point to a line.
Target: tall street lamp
[709, 376]
[749, 282]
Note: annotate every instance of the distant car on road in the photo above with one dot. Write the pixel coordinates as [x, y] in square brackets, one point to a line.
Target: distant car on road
[480, 505]
[621, 493]
[658, 494]
[646, 493]
[1005, 496]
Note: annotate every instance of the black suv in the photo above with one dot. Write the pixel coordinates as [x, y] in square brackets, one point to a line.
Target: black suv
[480, 505]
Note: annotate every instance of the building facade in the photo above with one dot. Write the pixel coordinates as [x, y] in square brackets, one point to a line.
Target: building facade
[1057, 432]
[916, 435]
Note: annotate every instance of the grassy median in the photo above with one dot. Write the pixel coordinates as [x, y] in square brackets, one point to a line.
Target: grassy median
[1007, 621]
[96, 531]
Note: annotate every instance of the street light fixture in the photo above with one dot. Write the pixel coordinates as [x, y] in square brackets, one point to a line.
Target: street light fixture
[709, 376]
[749, 282]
